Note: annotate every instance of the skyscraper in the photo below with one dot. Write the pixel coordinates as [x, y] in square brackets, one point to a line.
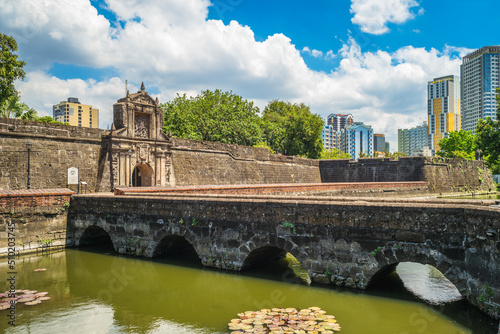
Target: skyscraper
[356, 139]
[443, 108]
[339, 121]
[480, 78]
[75, 113]
[378, 142]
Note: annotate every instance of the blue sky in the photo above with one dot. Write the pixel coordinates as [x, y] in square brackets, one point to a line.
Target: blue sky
[371, 58]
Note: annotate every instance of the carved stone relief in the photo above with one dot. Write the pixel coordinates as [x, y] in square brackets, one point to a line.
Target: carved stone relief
[141, 125]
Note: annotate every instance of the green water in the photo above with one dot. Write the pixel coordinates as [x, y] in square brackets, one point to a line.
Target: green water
[98, 293]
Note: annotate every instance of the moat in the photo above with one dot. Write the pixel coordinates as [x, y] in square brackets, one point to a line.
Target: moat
[97, 291]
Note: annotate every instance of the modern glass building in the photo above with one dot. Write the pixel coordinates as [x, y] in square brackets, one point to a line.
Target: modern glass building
[379, 142]
[480, 78]
[443, 108]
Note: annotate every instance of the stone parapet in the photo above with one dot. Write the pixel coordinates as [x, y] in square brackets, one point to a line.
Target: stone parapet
[33, 220]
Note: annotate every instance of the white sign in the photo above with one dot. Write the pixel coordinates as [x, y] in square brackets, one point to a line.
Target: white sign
[73, 175]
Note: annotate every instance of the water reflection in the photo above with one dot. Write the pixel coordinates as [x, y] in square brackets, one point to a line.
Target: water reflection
[97, 293]
[427, 283]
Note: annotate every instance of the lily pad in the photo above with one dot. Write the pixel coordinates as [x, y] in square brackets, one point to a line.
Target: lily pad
[284, 321]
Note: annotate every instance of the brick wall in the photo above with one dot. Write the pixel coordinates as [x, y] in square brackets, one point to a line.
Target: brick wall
[33, 220]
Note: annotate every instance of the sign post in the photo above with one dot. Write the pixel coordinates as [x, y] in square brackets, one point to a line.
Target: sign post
[73, 177]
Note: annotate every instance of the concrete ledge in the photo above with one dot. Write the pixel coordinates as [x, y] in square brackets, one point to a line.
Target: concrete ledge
[268, 188]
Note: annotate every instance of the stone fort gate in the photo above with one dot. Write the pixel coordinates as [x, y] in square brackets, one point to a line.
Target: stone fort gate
[140, 151]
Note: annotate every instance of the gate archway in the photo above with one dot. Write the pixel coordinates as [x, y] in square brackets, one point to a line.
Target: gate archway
[142, 176]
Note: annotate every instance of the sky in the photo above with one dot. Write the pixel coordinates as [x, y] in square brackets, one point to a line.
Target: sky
[370, 58]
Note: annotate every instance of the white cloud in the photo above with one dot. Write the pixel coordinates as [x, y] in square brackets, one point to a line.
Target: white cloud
[315, 53]
[330, 55]
[41, 91]
[172, 46]
[373, 15]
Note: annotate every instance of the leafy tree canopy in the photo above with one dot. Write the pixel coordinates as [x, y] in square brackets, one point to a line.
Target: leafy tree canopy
[11, 68]
[334, 154]
[459, 144]
[292, 129]
[213, 116]
[488, 139]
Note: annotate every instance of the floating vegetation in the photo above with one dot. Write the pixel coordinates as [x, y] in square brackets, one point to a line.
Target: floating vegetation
[27, 297]
[40, 269]
[285, 321]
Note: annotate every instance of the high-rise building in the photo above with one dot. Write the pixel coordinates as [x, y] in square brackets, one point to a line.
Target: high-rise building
[356, 139]
[412, 140]
[75, 113]
[339, 121]
[480, 77]
[329, 137]
[378, 142]
[443, 108]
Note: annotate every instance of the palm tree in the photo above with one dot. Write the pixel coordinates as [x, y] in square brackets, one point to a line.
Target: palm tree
[13, 106]
[30, 115]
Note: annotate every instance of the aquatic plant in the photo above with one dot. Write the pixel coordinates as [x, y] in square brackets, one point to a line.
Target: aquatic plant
[285, 320]
[28, 297]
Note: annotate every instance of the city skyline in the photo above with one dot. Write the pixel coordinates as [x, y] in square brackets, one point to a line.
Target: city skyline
[368, 58]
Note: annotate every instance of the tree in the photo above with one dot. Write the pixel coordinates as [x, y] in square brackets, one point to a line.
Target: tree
[292, 129]
[48, 119]
[488, 139]
[459, 144]
[13, 106]
[213, 116]
[30, 115]
[11, 68]
[334, 154]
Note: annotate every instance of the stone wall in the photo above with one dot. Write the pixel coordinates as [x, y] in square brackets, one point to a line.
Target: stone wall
[442, 175]
[203, 163]
[341, 243]
[55, 148]
[33, 220]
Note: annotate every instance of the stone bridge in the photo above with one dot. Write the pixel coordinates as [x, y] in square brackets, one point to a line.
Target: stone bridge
[343, 242]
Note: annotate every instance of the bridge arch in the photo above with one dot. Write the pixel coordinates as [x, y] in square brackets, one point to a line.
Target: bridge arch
[423, 256]
[95, 235]
[174, 245]
[268, 253]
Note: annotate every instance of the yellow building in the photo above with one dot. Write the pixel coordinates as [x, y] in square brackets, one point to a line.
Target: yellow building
[443, 108]
[75, 113]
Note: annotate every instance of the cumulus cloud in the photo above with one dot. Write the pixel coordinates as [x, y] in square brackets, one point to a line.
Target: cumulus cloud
[42, 91]
[313, 52]
[373, 15]
[173, 48]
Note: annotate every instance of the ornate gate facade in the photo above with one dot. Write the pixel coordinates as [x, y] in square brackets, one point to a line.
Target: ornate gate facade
[140, 151]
